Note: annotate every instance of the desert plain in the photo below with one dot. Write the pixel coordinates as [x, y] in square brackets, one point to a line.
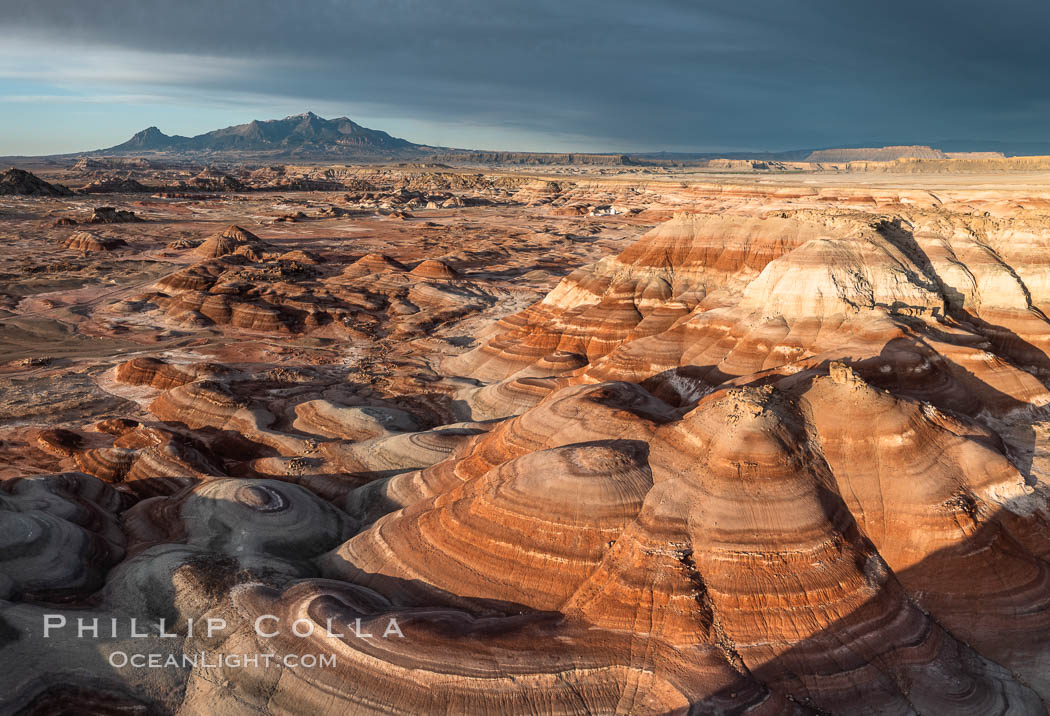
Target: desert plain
[597, 439]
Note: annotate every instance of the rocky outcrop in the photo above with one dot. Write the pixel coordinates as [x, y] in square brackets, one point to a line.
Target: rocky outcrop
[110, 215]
[373, 264]
[213, 179]
[86, 241]
[763, 460]
[644, 291]
[322, 417]
[432, 268]
[21, 182]
[113, 185]
[85, 164]
[59, 533]
[227, 242]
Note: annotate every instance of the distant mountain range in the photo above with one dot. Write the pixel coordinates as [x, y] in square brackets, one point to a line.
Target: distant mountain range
[310, 137]
[301, 135]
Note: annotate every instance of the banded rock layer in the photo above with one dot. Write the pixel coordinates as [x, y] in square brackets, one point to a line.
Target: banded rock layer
[773, 465]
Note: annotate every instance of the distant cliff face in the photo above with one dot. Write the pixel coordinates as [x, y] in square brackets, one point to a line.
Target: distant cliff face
[876, 154]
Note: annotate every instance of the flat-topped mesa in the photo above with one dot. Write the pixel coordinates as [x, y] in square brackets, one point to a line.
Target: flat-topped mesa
[876, 154]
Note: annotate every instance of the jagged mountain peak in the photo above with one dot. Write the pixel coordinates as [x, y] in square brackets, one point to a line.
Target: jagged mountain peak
[299, 134]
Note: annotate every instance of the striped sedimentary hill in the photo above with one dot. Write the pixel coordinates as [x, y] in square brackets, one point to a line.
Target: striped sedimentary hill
[757, 463]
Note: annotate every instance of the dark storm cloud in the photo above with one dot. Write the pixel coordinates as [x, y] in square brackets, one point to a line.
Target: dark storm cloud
[764, 73]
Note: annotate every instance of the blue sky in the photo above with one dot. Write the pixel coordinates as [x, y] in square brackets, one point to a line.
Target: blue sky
[539, 75]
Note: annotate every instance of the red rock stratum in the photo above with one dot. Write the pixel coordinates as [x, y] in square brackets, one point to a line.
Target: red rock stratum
[779, 455]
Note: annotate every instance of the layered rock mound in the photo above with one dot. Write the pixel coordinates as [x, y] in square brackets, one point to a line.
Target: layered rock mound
[111, 215]
[244, 282]
[434, 269]
[227, 241]
[789, 463]
[19, 181]
[86, 241]
[213, 179]
[113, 185]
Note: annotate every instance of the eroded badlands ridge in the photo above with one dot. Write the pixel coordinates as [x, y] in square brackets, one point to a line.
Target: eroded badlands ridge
[780, 454]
